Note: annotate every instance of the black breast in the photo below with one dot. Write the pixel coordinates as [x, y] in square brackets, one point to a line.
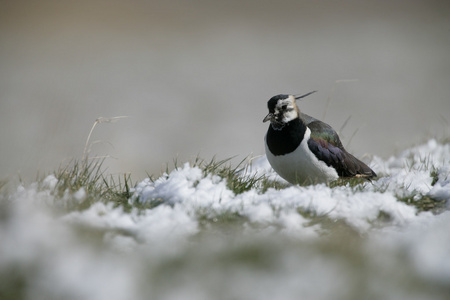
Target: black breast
[286, 140]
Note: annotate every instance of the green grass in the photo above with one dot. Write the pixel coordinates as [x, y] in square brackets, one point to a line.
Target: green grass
[90, 176]
[424, 203]
[434, 175]
[236, 177]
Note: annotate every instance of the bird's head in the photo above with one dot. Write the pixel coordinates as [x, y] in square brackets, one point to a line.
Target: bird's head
[282, 110]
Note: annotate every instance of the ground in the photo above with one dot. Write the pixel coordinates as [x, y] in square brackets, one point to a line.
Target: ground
[205, 230]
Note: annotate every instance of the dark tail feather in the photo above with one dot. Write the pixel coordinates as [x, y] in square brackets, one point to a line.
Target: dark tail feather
[360, 169]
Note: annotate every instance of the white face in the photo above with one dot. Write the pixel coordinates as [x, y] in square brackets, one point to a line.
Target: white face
[286, 110]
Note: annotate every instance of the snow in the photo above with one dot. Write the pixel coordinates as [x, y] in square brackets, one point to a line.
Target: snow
[184, 183]
[315, 241]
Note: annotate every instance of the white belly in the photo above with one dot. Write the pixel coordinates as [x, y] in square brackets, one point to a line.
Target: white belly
[301, 166]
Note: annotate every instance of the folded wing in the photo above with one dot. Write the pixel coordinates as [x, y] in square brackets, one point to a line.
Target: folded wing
[327, 147]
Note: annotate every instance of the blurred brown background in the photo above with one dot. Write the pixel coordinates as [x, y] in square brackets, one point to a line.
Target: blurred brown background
[194, 76]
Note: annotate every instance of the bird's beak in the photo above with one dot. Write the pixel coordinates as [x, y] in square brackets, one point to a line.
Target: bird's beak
[268, 117]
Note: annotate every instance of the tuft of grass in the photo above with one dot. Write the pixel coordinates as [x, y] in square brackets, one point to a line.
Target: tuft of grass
[266, 183]
[237, 177]
[89, 175]
[75, 176]
[118, 190]
[357, 184]
[434, 174]
[424, 203]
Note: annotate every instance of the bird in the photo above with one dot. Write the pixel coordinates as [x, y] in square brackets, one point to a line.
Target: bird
[304, 150]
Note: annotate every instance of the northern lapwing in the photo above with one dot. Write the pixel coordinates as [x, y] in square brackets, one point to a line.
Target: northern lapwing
[304, 150]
